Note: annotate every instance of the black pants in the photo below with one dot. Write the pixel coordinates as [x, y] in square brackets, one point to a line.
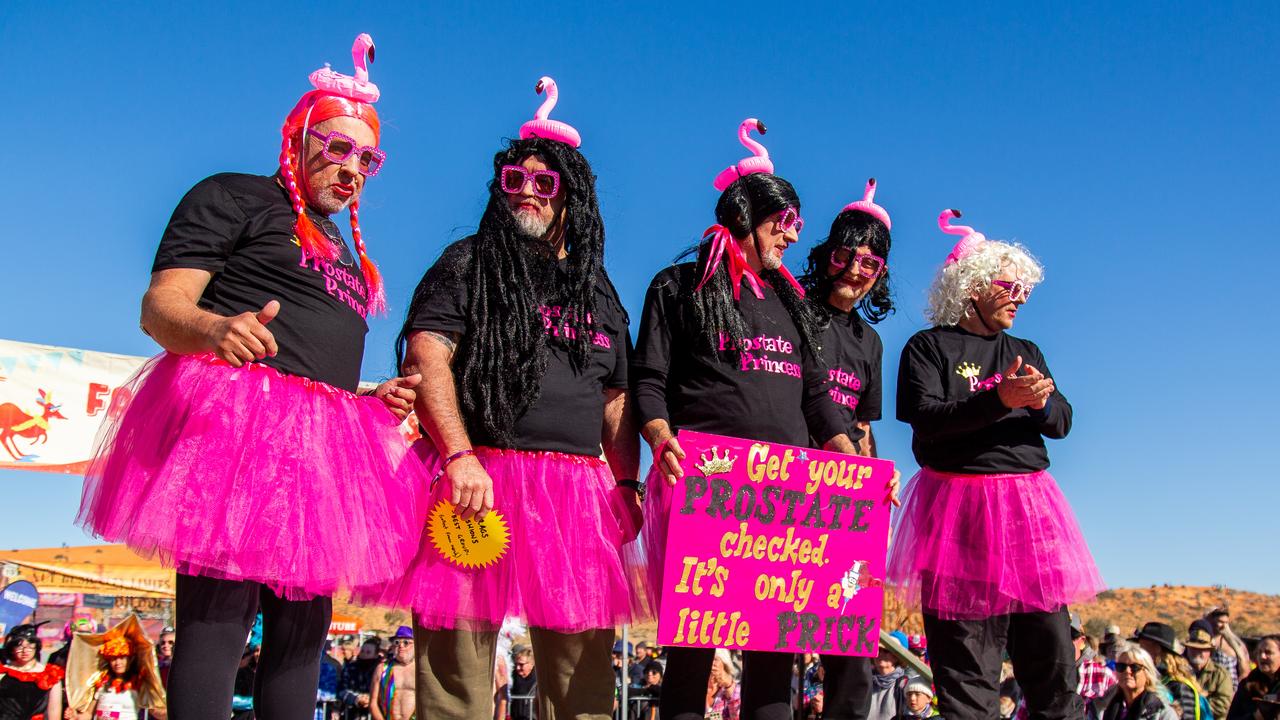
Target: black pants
[966, 655]
[214, 618]
[846, 687]
[766, 684]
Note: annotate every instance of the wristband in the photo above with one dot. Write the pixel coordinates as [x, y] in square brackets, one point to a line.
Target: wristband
[634, 485]
[448, 461]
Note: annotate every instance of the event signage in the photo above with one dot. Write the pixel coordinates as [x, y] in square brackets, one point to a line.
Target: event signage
[17, 601]
[774, 547]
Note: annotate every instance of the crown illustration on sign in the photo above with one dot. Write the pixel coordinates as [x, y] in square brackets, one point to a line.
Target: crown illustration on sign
[715, 464]
[968, 370]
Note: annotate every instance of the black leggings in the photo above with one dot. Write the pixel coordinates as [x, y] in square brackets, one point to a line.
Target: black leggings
[214, 618]
[846, 687]
[766, 684]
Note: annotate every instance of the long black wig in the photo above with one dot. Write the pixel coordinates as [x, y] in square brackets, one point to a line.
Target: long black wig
[851, 229]
[500, 361]
[746, 203]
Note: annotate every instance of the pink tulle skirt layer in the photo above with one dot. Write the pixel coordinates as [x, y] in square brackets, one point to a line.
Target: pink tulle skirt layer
[657, 506]
[572, 564]
[973, 546]
[250, 474]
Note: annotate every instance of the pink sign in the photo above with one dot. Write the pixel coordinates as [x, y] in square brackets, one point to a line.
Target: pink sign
[774, 547]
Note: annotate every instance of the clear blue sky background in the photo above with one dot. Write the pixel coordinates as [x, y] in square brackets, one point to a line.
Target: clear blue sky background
[1132, 146]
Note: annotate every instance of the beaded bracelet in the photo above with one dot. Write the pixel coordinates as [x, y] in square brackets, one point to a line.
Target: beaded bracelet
[445, 465]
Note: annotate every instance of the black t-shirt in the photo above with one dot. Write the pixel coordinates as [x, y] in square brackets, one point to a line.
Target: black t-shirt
[240, 228]
[947, 391]
[569, 413]
[853, 352]
[764, 392]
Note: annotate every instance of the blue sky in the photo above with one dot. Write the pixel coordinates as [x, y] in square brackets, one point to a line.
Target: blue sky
[1132, 146]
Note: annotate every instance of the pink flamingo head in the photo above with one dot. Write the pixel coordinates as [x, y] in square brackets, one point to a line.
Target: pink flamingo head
[868, 205]
[542, 126]
[757, 162]
[969, 241]
[356, 88]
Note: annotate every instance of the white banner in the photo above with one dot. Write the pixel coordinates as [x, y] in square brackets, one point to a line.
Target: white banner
[52, 401]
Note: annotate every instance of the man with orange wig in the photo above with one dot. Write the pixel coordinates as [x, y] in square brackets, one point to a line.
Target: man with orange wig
[279, 482]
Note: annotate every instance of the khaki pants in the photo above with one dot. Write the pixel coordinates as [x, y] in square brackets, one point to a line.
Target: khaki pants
[455, 673]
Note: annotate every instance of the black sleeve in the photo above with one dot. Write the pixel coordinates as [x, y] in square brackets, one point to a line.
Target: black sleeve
[920, 398]
[870, 405]
[652, 357]
[622, 358]
[203, 230]
[446, 307]
[823, 417]
[1055, 417]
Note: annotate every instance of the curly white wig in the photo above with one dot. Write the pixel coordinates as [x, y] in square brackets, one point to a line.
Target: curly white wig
[957, 282]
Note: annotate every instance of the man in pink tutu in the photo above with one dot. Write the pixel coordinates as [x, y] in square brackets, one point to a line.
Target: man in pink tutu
[727, 345]
[245, 459]
[523, 344]
[985, 541]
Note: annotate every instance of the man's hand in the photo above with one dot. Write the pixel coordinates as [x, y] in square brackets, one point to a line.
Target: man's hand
[244, 338]
[1029, 390]
[669, 453]
[633, 519]
[398, 394]
[894, 486]
[471, 487]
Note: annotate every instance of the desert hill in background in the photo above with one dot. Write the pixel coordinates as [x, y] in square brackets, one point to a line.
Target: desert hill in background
[1251, 613]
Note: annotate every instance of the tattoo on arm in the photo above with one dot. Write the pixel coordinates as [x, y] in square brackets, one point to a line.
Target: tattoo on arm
[449, 340]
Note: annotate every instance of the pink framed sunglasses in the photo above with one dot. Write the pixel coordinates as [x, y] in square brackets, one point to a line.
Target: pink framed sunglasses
[868, 265]
[790, 218]
[338, 148]
[1017, 291]
[546, 183]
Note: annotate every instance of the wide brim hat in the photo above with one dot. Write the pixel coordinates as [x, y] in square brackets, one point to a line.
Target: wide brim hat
[1199, 636]
[1160, 634]
[83, 664]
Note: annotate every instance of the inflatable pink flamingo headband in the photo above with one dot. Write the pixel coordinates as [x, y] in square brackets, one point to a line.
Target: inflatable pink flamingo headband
[543, 126]
[757, 162]
[868, 205]
[968, 243]
[335, 95]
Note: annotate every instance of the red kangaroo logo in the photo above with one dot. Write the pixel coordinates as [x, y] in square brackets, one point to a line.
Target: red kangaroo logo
[15, 422]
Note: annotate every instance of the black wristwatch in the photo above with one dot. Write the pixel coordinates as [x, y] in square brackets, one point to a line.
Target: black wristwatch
[634, 485]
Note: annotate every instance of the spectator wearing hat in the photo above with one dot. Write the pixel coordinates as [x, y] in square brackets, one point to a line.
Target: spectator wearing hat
[1161, 643]
[888, 681]
[640, 663]
[1140, 692]
[1259, 695]
[1111, 638]
[1229, 651]
[1096, 679]
[394, 688]
[918, 701]
[1213, 678]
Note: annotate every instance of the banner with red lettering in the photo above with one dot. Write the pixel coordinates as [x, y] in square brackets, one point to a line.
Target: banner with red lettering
[52, 401]
[773, 547]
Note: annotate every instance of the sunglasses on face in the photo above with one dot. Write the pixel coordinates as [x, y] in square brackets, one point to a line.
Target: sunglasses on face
[790, 218]
[402, 641]
[166, 642]
[338, 148]
[1017, 291]
[868, 265]
[1134, 668]
[546, 183]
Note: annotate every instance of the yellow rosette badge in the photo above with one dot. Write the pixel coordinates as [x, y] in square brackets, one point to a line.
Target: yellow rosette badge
[469, 543]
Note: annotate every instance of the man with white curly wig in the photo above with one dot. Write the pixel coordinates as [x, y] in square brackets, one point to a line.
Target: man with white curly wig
[985, 541]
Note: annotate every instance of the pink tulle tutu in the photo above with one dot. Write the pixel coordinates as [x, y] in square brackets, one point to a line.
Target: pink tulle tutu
[572, 564]
[657, 504]
[250, 474]
[967, 547]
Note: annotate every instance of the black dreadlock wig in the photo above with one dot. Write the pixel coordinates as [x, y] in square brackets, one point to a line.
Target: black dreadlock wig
[501, 360]
[742, 207]
[851, 229]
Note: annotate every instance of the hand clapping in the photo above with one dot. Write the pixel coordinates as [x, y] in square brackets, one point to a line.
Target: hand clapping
[1030, 390]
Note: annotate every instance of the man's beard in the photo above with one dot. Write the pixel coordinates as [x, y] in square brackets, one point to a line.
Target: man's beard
[325, 201]
[532, 225]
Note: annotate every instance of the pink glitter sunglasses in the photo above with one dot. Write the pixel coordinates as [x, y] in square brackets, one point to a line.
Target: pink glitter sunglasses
[1017, 291]
[868, 265]
[546, 183]
[790, 218]
[338, 148]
